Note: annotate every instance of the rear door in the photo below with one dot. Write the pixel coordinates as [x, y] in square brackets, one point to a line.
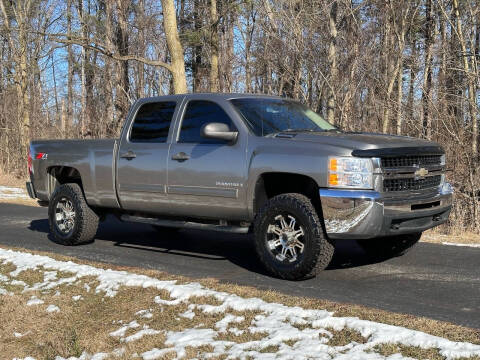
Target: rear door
[206, 177]
[142, 157]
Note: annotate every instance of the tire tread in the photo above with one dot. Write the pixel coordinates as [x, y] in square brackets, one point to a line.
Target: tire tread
[322, 251]
[86, 220]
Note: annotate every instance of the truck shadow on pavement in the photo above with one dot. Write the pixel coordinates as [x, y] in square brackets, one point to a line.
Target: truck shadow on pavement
[206, 246]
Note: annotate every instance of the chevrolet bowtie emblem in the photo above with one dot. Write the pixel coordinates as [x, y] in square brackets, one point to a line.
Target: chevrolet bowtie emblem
[421, 173]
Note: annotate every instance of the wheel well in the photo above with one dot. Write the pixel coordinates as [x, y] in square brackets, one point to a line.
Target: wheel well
[59, 175]
[271, 184]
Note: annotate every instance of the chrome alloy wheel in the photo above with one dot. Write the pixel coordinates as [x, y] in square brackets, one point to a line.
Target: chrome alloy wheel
[285, 241]
[65, 215]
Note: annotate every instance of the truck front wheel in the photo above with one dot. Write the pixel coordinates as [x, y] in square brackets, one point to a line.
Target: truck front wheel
[71, 220]
[289, 238]
[391, 246]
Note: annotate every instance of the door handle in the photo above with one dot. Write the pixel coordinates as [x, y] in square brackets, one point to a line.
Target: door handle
[129, 155]
[181, 156]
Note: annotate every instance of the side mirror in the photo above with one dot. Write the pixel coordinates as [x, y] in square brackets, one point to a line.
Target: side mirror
[218, 131]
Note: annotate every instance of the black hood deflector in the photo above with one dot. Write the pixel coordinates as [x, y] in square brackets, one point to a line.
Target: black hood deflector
[399, 151]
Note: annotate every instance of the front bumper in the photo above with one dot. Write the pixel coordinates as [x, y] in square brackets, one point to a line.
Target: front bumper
[363, 214]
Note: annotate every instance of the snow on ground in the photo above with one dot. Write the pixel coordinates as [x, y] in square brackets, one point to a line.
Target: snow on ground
[52, 308]
[8, 192]
[307, 330]
[459, 244]
[34, 301]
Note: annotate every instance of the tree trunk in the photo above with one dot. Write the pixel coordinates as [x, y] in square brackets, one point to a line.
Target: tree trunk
[427, 72]
[19, 45]
[214, 47]
[83, 77]
[123, 83]
[472, 106]
[197, 73]
[332, 61]
[141, 46]
[174, 47]
[70, 65]
[411, 80]
[109, 70]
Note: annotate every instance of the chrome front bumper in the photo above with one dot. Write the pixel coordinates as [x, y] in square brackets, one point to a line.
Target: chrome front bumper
[363, 214]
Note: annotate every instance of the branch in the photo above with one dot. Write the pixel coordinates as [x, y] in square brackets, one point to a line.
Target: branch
[59, 38]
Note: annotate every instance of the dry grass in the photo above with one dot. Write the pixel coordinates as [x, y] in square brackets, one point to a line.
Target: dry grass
[85, 325]
[436, 236]
[413, 352]
[11, 180]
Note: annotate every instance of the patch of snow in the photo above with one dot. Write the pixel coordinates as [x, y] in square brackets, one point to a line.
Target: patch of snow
[121, 332]
[235, 331]
[139, 334]
[229, 318]
[18, 283]
[86, 356]
[459, 244]
[77, 297]
[189, 314]
[118, 352]
[19, 335]
[156, 353]
[86, 287]
[34, 301]
[5, 292]
[147, 314]
[52, 308]
[8, 192]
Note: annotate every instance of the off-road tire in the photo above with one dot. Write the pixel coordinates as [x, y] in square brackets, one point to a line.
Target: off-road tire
[86, 220]
[318, 251]
[390, 246]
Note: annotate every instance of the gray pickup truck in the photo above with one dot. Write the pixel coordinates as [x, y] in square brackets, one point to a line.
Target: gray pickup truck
[246, 163]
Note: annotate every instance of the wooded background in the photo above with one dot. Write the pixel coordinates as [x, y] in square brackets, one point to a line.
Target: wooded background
[72, 68]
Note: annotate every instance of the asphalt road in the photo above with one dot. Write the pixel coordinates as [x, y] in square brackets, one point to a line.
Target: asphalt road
[436, 281]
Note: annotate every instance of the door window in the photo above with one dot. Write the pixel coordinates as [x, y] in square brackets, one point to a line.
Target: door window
[153, 122]
[197, 114]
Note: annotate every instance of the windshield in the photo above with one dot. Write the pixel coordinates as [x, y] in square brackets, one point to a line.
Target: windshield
[269, 116]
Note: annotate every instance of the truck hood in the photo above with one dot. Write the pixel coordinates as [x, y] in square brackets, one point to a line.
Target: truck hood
[367, 143]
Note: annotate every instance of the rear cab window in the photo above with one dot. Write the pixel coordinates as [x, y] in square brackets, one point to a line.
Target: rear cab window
[152, 122]
[197, 114]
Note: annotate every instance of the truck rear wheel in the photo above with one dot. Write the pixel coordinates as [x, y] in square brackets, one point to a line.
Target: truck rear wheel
[391, 246]
[289, 238]
[71, 220]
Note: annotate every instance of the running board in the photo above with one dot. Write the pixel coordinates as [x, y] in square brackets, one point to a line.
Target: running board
[185, 224]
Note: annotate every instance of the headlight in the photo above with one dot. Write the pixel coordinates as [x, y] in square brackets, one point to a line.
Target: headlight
[350, 172]
[442, 159]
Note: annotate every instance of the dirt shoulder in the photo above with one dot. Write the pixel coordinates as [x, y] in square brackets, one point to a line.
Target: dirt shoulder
[465, 238]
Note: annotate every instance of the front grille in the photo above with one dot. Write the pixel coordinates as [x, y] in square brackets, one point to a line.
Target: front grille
[420, 160]
[405, 184]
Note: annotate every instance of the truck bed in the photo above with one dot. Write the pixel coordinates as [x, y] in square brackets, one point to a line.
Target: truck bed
[94, 159]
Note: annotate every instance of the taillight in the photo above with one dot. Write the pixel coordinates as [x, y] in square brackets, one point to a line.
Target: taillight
[29, 161]
[40, 156]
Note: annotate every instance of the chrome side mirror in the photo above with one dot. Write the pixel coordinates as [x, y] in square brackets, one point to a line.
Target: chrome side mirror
[218, 131]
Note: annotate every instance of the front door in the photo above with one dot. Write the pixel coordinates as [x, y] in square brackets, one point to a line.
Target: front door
[206, 177]
[142, 158]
